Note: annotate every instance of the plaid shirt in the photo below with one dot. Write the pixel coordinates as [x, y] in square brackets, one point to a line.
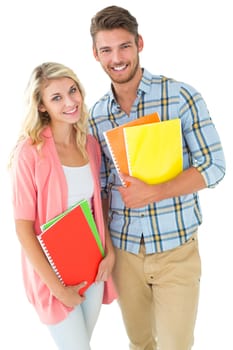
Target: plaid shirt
[170, 222]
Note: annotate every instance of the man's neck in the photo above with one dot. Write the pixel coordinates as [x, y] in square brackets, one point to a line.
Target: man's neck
[125, 94]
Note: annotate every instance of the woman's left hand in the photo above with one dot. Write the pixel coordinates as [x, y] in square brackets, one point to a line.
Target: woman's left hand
[106, 266]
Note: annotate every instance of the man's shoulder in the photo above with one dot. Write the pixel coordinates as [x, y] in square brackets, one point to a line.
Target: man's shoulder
[179, 85]
[166, 81]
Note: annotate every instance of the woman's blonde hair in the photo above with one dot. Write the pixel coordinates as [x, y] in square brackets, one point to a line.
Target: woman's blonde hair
[35, 121]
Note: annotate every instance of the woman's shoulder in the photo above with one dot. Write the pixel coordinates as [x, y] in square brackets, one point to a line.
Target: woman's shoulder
[23, 154]
[24, 147]
[27, 146]
[91, 140]
[93, 148]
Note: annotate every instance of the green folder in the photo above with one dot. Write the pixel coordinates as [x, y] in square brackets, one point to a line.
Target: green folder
[89, 216]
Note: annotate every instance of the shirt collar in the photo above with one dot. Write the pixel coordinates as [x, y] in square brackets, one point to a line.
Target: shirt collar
[144, 86]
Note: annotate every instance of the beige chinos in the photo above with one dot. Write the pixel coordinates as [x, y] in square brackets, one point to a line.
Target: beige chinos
[158, 296]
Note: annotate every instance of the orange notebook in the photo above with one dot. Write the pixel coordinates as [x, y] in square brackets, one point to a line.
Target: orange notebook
[72, 247]
[116, 144]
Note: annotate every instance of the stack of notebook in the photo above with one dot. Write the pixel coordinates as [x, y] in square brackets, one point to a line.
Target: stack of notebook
[72, 245]
[147, 148]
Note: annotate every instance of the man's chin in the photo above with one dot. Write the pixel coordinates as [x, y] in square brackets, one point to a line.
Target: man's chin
[119, 79]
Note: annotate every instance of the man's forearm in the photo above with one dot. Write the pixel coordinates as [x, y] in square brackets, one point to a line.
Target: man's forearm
[189, 181]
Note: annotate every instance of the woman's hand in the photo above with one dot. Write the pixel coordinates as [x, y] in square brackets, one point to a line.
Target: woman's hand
[106, 266]
[69, 295]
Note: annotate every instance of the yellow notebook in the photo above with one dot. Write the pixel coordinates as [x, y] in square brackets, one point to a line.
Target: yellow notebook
[154, 151]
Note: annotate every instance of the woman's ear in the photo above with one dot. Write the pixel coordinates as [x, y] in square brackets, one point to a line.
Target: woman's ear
[41, 108]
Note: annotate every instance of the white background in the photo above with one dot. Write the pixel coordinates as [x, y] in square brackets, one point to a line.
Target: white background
[186, 40]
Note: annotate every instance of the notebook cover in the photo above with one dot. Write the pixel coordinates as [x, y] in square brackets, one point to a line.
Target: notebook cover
[154, 151]
[87, 211]
[71, 248]
[116, 144]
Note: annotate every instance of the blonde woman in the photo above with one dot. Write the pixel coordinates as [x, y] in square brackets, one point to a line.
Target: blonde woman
[56, 163]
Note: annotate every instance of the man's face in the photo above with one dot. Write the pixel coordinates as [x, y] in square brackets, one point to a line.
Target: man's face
[118, 53]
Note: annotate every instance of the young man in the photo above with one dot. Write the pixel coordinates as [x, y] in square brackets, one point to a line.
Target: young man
[153, 227]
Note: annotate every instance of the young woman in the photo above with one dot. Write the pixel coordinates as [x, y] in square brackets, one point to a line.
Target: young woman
[55, 164]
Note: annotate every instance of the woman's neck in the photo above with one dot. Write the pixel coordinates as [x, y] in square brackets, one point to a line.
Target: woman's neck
[65, 135]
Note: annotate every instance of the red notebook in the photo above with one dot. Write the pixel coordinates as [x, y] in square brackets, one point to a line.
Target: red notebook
[72, 248]
[116, 143]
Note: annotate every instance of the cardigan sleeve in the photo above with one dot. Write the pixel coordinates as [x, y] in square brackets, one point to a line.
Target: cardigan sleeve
[23, 183]
[95, 147]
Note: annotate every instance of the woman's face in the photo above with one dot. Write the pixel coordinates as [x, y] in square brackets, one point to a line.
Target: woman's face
[62, 100]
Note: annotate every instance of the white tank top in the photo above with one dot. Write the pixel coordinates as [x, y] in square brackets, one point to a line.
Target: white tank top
[80, 183]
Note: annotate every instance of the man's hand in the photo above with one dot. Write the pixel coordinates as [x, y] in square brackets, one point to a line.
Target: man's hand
[136, 193]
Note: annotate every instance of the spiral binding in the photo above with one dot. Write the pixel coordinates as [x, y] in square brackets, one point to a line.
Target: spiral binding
[113, 157]
[42, 243]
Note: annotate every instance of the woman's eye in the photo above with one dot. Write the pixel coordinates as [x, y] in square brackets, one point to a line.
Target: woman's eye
[56, 98]
[73, 90]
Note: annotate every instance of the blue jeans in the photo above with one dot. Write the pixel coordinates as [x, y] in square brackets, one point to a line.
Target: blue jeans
[74, 333]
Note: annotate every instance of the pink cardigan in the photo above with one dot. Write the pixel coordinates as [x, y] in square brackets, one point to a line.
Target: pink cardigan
[39, 194]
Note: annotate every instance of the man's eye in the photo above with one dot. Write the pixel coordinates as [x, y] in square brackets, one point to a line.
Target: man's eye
[125, 46]
[104, 51]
